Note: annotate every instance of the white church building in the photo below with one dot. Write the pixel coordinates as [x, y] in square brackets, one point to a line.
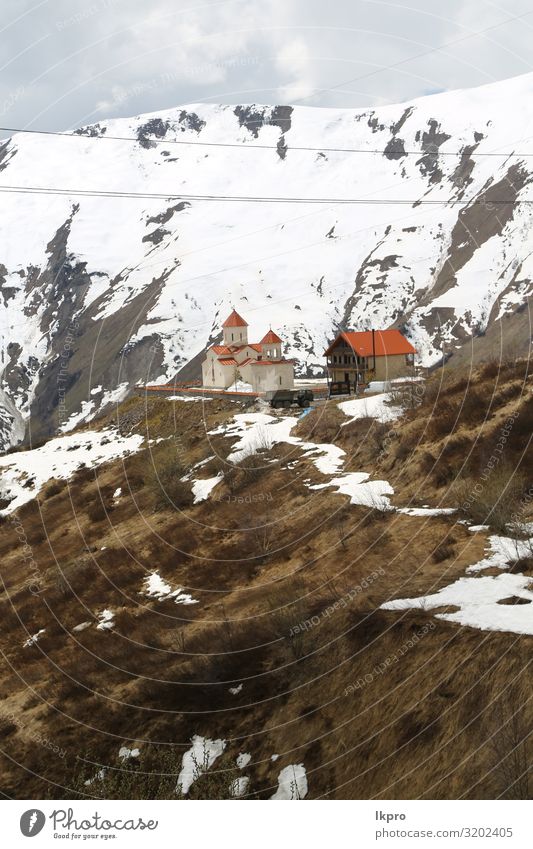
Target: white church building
[258, 366]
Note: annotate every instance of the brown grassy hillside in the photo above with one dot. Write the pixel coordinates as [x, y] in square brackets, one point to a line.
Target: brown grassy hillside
[288, 582]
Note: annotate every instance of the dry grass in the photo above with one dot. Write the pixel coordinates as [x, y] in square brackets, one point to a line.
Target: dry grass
[322, 424]
[162, 469]
[492, 501]
[289, 618]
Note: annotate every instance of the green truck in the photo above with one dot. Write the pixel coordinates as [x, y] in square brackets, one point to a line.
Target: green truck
[287, 397]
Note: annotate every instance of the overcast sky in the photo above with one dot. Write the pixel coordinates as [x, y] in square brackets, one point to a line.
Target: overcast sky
[65, 62]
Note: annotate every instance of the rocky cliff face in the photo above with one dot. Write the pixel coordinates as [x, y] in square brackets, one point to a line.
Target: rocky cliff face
[99, 293]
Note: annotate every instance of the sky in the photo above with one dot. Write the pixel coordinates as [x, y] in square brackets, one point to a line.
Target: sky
[65, 63]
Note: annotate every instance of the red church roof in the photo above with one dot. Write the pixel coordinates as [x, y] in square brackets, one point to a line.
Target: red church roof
[235, 320]
[388, 343]
[270, 338]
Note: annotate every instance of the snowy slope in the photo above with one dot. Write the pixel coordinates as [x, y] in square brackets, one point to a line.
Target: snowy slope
[101, 293]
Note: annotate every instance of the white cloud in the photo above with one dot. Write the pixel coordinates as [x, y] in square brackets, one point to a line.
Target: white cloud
[72, 61]
[294, 62]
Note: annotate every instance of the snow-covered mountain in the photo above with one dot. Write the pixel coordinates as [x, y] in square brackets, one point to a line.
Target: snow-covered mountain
[100, 293]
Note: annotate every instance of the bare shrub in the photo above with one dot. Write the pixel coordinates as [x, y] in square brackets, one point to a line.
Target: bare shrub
[265, 537]
[53, 488]
[426, 462]
[443, 420]
[216, 782]
[98, 511]
[493, 501]
[344, 523]
[154, 775]
[522, 424]
[490, 369]
[249, 469]
[443, 551]
[162, 471]
[322, 424]
[289, 620]
[510, 749]
[403, 451]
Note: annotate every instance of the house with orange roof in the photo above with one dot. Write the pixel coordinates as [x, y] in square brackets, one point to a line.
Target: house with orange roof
[237, 362]
[358, 357]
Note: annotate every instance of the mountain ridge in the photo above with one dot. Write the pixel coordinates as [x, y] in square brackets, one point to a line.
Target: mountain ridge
[125, 290]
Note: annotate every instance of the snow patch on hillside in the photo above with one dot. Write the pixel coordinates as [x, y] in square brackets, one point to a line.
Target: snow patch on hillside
[375, 407]
[197, 760]
[361, 490]
[491, 602]
[260, 431]
[202, 487]
[24, 473]
[155, 587]
[292, 783]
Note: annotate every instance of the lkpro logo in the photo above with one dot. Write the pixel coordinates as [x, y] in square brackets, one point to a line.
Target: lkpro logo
[32, 822]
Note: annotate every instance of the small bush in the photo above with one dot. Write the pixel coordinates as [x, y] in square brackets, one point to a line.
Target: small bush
[154, 775]
[98, 511]
[323, 424]
[53, 488]
[494, 501]
[444, 551]
[491, 369]
[403, 451]
[427, 462]
[443, 420]
[163, 472]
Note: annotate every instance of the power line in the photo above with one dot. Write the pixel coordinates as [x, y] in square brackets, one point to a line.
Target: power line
[300, 293]
[251, 146]
[43, 190]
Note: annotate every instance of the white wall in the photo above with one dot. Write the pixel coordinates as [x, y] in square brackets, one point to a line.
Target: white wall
[266, 378]
[235, 335]
[216, 375]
